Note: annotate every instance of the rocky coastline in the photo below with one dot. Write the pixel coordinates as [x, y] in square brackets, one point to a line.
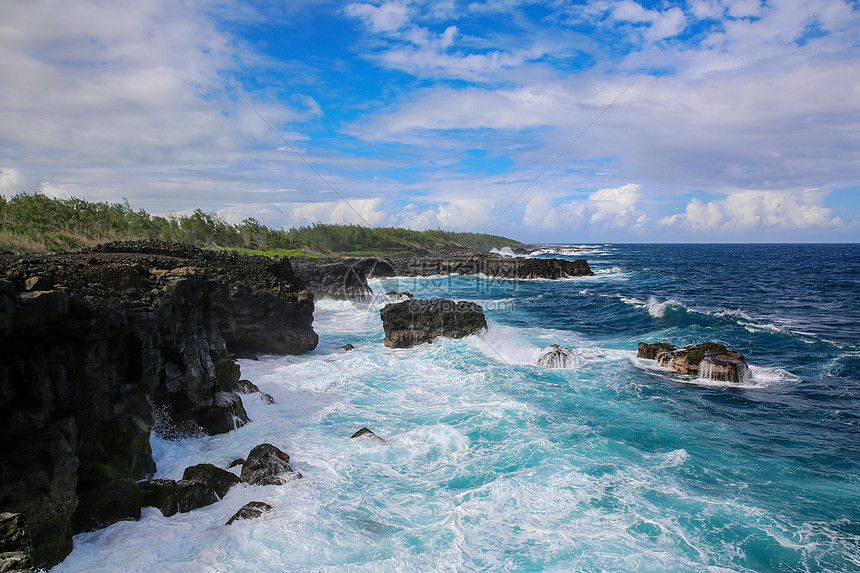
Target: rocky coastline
[100, 348]
[346, 278]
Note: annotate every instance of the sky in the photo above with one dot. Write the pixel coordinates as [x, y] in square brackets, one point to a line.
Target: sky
[557, 121]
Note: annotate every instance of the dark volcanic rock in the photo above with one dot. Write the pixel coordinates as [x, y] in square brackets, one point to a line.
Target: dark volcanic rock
[347, 347]
[473, 263]
[415, 321]
[251, 510]
[14, 543]
[366, 434]
[219, 480]
[245, 387]
[342, 279]
[126, 329]
[709, 360]
[237, 462]
[399, 295]
[159, 493]
[191, 494]
[266, 465]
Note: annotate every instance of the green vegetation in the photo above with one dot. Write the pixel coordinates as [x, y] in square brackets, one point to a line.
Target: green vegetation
[38, 224]
[695, 354]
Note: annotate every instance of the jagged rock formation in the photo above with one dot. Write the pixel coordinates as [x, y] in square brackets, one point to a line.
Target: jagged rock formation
[415, 321]
[122, 333]
[708, 360]
[342, 279]
[557, 356]
[267, 465]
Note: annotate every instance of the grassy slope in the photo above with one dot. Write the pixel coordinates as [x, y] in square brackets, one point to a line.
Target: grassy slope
[38, 224]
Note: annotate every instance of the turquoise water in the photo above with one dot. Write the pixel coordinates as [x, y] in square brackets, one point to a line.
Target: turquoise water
[492, 463]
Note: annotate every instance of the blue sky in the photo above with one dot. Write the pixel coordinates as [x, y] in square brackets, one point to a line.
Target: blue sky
[740, 120]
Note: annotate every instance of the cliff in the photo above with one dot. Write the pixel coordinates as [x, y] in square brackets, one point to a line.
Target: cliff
[99, 348]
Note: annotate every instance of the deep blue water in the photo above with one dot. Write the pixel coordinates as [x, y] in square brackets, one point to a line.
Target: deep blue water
[493, 463]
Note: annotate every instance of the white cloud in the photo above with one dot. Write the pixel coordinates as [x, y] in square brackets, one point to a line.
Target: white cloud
[746, 211]
[358, 212]
[616, 206]
[662, 25]
[387, 17]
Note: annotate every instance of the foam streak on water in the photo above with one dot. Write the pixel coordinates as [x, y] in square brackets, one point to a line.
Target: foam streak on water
[494, 463]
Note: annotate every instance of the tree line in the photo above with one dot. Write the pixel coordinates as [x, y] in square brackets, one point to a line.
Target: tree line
[34, 223]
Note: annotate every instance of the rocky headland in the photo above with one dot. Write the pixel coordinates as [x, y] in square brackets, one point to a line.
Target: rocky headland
[346, 278]
[100, 348]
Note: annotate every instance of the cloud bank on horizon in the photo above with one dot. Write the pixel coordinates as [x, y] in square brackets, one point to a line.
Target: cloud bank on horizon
[741, 121]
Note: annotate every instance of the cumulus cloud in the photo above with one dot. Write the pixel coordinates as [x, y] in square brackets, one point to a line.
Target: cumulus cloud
[758, 211]
[661, 24]
[387, 17]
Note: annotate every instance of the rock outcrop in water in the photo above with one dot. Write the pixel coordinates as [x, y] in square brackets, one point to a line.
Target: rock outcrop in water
[557, 356]
[415, 321]
[346, 279]
[474, 263]
[708, 360]
[97, 347]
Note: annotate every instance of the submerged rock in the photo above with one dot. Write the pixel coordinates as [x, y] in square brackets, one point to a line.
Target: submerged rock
[251, 510]
[347, 347]
[415, 321]
[709, 360]
[266, 465]
[557, 356]
[366, 434]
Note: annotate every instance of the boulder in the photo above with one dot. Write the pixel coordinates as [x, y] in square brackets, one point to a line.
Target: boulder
[556, 356]
[347, 347]
[218, 479]
[267, 398]
[159, 493]
[709, 360]
[415, 321]
[237, 462]
[251, 510]
[266, 465]
[193, 494]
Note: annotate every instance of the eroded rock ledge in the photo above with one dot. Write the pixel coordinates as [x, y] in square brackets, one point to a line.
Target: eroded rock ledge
[93, 345]
[346, 278]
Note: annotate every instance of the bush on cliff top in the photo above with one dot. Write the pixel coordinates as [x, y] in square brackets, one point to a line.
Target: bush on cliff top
[34, 223]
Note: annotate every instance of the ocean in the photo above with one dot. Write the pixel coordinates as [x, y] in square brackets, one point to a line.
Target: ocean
[491, 463]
